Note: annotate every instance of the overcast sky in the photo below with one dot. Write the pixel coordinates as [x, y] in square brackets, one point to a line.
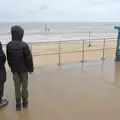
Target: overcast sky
[60, 10]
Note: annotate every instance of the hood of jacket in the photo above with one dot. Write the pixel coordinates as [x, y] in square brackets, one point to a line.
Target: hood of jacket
[17, 33]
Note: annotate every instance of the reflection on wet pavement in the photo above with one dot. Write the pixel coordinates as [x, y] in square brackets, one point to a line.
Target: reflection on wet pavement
[76, 91]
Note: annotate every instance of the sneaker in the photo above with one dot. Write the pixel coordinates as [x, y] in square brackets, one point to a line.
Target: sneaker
[18, 107]
[3, 103]
[25, 104]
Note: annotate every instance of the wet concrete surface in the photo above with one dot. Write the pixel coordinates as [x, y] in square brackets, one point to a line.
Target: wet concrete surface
[74, 91]
[108, 71]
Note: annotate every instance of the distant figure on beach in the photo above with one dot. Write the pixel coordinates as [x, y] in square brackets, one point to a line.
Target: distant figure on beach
[46, 29]
[3, 102]
[20, 62]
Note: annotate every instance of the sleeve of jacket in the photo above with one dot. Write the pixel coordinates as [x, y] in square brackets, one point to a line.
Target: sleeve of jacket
[8, 56]
[4, 58]
[28, 58]
[2, 54]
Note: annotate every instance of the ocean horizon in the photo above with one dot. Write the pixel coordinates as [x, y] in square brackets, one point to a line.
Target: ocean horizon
[55, 31]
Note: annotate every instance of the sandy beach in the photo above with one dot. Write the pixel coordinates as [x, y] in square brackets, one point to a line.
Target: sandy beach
[47, 53]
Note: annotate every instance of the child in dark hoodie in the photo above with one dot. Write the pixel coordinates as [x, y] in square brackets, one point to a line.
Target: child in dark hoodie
[21, 63]
[3, 102]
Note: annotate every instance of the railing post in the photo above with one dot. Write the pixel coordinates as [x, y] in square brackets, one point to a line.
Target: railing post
[103, 56]
[59, 51]
[83, 45]
[89, 38]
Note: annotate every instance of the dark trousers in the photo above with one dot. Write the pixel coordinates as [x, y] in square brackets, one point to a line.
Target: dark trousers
[1, 91]
[21, 84]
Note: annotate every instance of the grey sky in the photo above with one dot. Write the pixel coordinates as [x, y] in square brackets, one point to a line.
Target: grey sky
[60, 10]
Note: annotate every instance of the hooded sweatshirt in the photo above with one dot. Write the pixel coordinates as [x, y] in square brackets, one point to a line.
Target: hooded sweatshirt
[18, 52]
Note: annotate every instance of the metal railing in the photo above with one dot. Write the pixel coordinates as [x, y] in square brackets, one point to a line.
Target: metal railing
[83, 50]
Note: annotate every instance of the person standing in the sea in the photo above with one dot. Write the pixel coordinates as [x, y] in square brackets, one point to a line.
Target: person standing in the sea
[3, 102]
[21, 63]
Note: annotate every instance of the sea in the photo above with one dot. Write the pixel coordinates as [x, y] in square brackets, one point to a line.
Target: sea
[60, 31]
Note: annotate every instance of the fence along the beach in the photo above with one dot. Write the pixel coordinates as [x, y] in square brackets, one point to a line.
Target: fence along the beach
[71, 51]
[58, 52]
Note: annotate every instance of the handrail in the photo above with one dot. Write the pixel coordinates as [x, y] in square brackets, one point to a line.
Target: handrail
[82, 42]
